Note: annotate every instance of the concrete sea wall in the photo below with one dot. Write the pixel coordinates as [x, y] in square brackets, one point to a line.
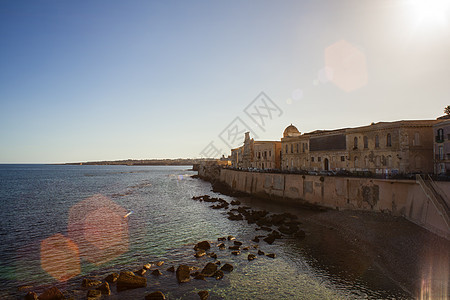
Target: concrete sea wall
[397, 197]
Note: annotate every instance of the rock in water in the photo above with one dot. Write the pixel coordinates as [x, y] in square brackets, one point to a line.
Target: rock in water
[147, 266]
[31, 296]
[128, 281]
[160, 263]
[183, 274]
[231, 238]
[171, 269]
[269, 239]
[227, 267]
[94, 294]
[236, 252]
[202, 245]
[156, 272]
[234, 247]
[51, 294]
[251, 256]
[218, 274]
[271, 255]
[155, 296]
[111, 278]
[221, 246]
[90, 282]
[237, 243]
[200, 253]
[104, 289]
[261, 252]
[209, 269]
[141, 272]
[203, 295]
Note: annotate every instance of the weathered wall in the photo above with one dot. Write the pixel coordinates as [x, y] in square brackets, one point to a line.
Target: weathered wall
[398, 197]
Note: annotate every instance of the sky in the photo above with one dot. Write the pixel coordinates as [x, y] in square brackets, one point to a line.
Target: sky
[109, 80]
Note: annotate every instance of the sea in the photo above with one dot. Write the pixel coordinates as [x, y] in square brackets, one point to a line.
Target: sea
[60, 224]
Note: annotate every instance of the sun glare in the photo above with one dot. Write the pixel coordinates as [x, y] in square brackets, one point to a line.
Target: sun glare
[431, 11]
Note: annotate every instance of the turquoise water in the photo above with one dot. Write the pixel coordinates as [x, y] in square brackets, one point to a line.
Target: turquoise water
[59, 224]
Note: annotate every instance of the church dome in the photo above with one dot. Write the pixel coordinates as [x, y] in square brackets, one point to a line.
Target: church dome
[291, 130]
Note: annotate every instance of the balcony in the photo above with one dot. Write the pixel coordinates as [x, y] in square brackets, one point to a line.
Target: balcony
[439, 139]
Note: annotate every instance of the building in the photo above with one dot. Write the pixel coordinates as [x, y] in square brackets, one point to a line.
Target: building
[441, 135]
[382, 148]
[266, 154]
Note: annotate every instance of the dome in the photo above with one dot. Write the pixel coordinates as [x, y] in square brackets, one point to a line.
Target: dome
[291, 130]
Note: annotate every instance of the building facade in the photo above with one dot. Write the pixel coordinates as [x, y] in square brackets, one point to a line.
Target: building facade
[381, 148]
[441, 133]
[266, 155]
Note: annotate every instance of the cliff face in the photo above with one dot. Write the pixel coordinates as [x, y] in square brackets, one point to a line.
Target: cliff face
[209, 171]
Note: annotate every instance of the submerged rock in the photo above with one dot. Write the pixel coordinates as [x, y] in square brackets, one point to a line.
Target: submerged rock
[227, 267]
[261, 252]
[171, 269]
[94, 294]
[218, 274]
[212, 255]
[221, 239]
[156, 272]
[204, 245]
[90, 282]
[129, 281]
[200, 253]
[221, 246]
[234, 247]
[231, 238]
[271, 255]
[51, 294]
[141, 272]
[251, 256]
[104, 289]
[209, 269]
[203, 295]
[155, 296]
[183, 274]
[236, 252]
[31, 296]
[111, 278]
[160, 263]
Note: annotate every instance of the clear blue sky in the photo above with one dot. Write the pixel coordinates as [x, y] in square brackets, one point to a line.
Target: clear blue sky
[104, 80]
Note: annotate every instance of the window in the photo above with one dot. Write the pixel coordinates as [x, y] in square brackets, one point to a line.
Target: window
[441, 152]
[303, 146]
[312, 159]
[342, 158]
[388, 140]
[440, 135]
[377, 161]
[270, 153]
[319, 158]
[356, 162]
[259, 155]
[286, 148]
[366, 142]
[389, 161]
[265, 154]
[355, 143]
[416, 141]
[292, 148]
[297, 147]
[377, 141]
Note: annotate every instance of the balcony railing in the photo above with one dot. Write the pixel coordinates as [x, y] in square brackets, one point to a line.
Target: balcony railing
[439, 139]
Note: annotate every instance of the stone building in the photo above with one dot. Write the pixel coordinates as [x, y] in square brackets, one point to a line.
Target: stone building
[266, 154]
[382, 148]
[441, 135]
[237, 155]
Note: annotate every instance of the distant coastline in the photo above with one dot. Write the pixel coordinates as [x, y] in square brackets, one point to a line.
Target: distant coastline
[145, 162]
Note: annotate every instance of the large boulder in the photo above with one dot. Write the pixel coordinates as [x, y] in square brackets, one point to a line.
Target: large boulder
[209, 269]
[51, 294]
[204, 245]
[183, 274]
[129, 281]
[155, 296]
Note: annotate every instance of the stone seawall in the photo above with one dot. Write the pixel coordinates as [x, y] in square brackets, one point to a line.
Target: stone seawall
[397, 197]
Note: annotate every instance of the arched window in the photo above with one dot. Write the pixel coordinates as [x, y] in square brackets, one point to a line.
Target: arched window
[355, 143]
[388, 140]
[440, 135]
[377, 141]
[366, 142]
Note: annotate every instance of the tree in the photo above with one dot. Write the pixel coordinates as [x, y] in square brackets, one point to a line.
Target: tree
[447, 110]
